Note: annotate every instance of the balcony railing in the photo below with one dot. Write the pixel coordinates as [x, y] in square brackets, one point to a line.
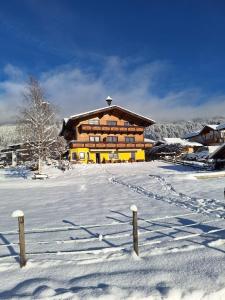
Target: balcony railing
[112, 129]
[107, 145]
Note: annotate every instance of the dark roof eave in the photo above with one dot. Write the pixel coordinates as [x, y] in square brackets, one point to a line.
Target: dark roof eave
[147, 122]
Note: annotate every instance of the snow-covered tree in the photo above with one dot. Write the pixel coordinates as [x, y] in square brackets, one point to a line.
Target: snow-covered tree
[8, 135]
[38, 124]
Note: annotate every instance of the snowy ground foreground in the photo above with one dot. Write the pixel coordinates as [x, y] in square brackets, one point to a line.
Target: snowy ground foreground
[78, 234]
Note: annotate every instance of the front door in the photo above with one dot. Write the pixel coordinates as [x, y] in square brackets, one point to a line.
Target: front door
[132, 156]
[97, 156]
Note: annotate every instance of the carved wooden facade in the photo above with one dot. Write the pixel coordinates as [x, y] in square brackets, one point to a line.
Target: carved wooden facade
[111, 134]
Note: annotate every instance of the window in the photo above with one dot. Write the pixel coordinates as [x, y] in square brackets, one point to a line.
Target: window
[129, 139]
[126, 123]
[82, 155]
[74, 156]
[111, 123]
[112, 139]
[94, 138]
[94, 121]
[113, 156]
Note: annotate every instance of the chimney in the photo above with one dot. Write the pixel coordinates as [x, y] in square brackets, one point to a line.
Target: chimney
[109, 100]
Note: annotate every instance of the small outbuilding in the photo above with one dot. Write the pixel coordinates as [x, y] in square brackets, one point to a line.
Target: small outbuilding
[187, 146]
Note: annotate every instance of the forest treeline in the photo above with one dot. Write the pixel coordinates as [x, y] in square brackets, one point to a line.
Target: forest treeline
[179, 128]
[9, 134]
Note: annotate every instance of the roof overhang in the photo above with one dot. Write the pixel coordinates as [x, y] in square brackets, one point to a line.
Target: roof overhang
[217, 152]
[140, 119]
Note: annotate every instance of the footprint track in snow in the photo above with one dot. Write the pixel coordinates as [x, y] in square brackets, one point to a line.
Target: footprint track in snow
[211, 207]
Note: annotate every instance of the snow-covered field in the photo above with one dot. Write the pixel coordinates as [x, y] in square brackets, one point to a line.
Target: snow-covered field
[78, 234]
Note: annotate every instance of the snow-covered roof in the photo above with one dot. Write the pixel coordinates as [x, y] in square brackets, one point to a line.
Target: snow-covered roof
[216, 151]
[149, 140]
[84, 114]
[212, 126]
[221, 126]
[191, 134]
[213, 148]
[180, 141]
[196, 133]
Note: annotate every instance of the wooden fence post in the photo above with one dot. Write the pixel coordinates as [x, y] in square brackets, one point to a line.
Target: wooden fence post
[133, 208]
[224, 193]
[20, 215]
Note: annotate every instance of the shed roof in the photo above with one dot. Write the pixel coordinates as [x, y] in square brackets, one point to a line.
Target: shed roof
[216, 154]
[181, 142]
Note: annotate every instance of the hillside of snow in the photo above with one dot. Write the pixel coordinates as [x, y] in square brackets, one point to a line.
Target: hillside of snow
[79, 233]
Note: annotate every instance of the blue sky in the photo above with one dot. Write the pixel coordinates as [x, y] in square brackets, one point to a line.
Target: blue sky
[163, 57]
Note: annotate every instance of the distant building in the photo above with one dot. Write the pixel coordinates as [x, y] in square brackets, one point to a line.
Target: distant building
[109, 134]
[187, 146]
[209, 135]
[13, 155]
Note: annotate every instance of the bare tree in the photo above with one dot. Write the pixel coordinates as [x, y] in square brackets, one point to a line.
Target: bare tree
[38, 124]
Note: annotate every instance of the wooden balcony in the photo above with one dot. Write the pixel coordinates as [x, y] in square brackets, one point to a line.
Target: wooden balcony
[107, 145]
[110, 129]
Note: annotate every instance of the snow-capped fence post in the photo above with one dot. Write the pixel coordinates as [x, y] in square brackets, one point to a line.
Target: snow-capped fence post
[133, 208]
[20, 215]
